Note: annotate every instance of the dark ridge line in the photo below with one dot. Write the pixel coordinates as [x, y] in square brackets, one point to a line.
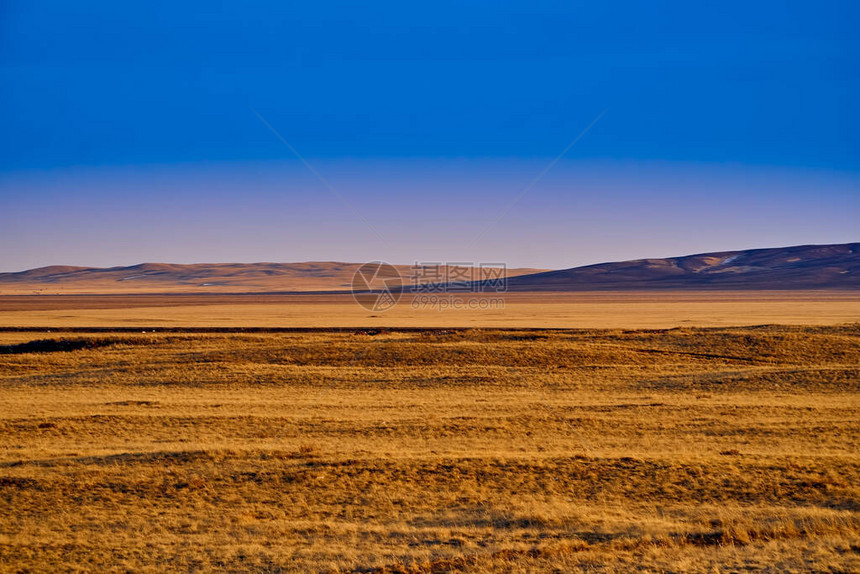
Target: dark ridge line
[378, 330]
[364, 329]
[597, 288]
[476, 290]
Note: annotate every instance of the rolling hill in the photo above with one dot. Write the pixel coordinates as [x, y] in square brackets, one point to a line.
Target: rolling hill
[783, 268]
[797, 267]
[195, 278]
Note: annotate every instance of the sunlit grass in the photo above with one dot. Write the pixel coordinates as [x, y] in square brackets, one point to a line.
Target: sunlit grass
[680, 450]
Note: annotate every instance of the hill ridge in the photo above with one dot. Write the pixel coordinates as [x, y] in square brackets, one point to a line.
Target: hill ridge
[813, 266]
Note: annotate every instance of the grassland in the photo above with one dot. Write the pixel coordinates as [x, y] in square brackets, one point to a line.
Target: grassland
[680, 450]
[581, 310]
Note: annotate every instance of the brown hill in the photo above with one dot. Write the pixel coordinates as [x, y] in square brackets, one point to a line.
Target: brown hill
[196, 278]
[798, 267]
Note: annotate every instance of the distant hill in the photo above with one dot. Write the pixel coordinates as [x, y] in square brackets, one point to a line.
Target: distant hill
[799, 267]
[196, 278]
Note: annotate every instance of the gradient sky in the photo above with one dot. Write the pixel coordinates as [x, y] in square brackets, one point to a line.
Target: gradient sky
[130, 133]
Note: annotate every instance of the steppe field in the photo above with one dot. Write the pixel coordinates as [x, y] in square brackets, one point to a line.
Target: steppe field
[559, 310]
[682, 449]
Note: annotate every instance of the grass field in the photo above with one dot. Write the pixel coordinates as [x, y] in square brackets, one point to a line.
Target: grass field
[701, 450]
[589, 310]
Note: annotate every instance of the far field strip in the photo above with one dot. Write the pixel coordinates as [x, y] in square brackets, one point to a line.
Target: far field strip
[624, 310]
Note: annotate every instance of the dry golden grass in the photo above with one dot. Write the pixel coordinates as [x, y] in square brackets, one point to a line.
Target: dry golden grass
[589, 310]
[683, 450]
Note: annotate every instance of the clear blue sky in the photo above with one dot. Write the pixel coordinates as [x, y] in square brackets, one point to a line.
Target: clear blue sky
[129, 133]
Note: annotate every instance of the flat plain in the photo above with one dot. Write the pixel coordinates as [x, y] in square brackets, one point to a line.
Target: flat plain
[616, 310]
[432, 450]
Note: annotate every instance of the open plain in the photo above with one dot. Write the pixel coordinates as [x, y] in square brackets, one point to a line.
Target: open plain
[368, 287]
[593, 310]
[431, 450]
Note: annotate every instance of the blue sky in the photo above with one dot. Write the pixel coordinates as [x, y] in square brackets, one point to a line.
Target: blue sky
[130, 135]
